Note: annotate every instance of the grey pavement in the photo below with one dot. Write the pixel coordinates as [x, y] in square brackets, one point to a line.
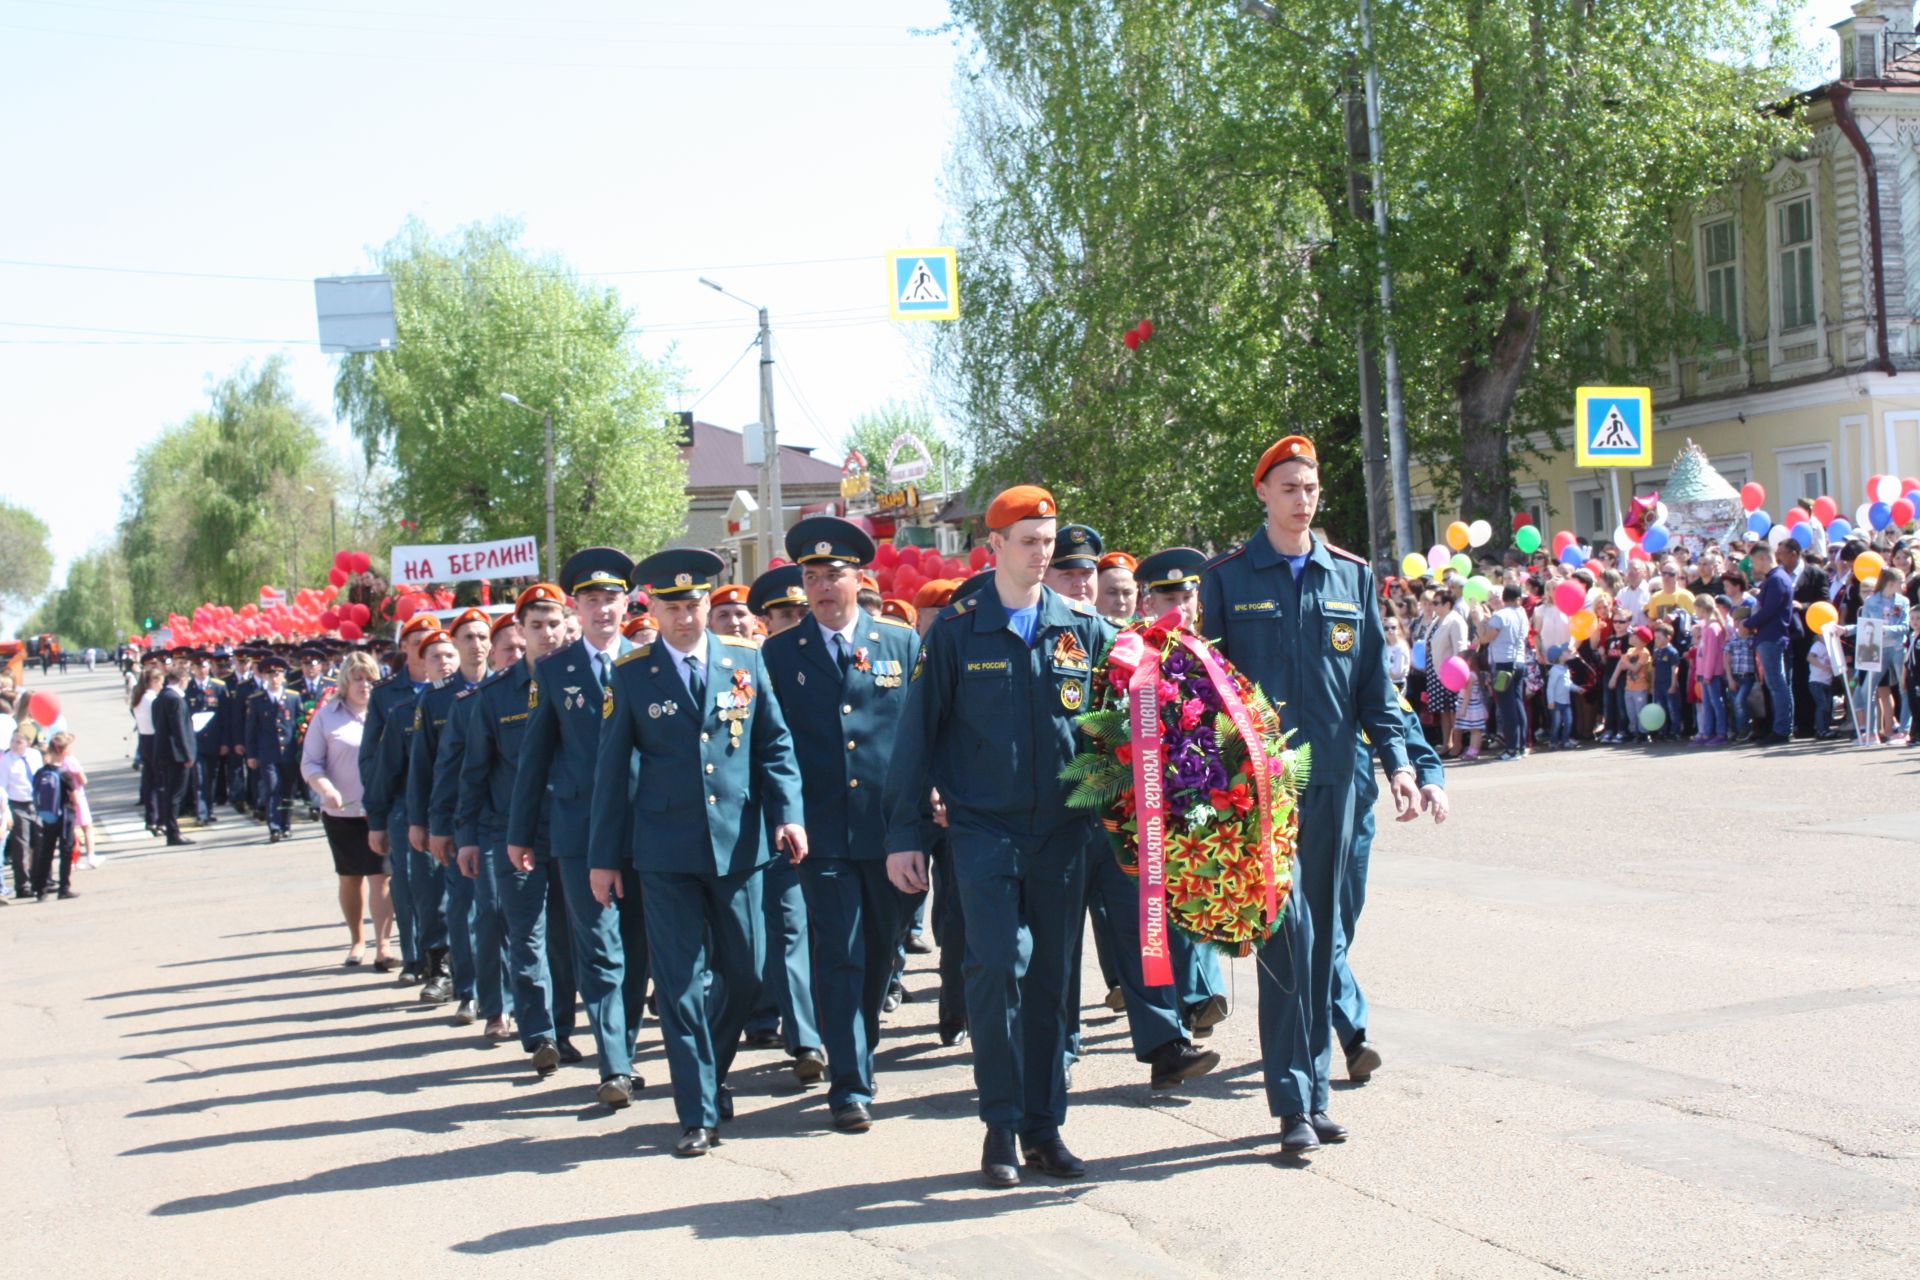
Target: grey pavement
[1642, 1014]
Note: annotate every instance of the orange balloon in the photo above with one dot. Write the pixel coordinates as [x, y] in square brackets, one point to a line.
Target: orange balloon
[1458, 535]
[1581, 624]
[1820, 616]
[1868, 565]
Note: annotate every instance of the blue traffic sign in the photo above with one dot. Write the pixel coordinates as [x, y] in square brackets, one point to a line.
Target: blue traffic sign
[1613, 426]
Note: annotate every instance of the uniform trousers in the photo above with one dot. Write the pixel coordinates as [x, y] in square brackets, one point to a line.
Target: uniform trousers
[1296, 965]
[786, 969]
[458, 896]
[699, 924]
[400, 886]
[1153, 1013]
[1349, 1002]
[427, 884]
[239, 780]
[539, 952]
[855, 917]
[1023, 897]
[276, 792]
[170, 792]
[489, 943]
[949, 934]
[610, 960]
[206, 768]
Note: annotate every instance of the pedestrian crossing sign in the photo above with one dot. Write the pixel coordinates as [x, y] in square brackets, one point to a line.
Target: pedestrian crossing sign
[923, 284]
[1614, 427]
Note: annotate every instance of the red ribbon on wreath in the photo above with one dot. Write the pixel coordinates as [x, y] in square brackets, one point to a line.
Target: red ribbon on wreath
[1149, 789]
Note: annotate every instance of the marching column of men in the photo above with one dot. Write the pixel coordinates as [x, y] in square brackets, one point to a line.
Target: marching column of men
[577, 805]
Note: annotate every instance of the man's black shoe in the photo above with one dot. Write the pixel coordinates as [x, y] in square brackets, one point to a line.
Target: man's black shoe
[438, 989]
[1177, 1062]
[853, 1118]
[1296, 1135]
[1050, 1156]
[1207, 1015]
[917, 944]
[616, 1092]
[723, 1102]
[546, 1057]
[1000, 1159]
[696, 1142]
[809, 1065]
[762, 1040]
[953, 1035]
[175, 842]
[1362, 1059]
[1325, 1129]
[570, 1055]
[67, 893]
[895, 997]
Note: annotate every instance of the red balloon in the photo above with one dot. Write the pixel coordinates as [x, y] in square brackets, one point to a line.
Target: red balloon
[1824, 510]
[977, 558]
[911, 555]
[350, 631]
[343, 561]
[1902, 512]
[1794, 517]
[1752, 495]
[329, 620]
[1908, 484]
[1132, 338]
[359, 614]
[1521, 520]
[43, 708]
[361, 562]
[1561, 541]
[1144, 329]
[337, 577]
[885, 556]
[778, 562]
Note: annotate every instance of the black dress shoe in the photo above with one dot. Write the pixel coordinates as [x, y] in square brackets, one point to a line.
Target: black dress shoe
[67, 893]
[177, 841]
[1296, 1135]
[917, 944]
[1325, 1129]
[1362, 1059]
[809, 1065]
[762, 1040]
[1177, 1062]
[953, 1035]
[895, 997]
[546, 1057]
[1000, 1159]
[853, 1118]
[437, 990]
[570, 1055]
[696, 1142]
[1050, 1156]
[1207, 1015]
[616, 1092]
[723, 1102]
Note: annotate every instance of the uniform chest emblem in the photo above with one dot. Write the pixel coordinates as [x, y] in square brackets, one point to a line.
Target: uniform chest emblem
[533, 694]
[571, 697]
[1071, 695]
[1069, 653]
[606, 704]
[1342, 637]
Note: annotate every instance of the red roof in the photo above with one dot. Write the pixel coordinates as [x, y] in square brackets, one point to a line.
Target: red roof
[716, 460]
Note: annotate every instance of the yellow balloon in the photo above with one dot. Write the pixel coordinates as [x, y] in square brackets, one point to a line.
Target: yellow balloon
[1820, 616]
[1458, 536]
[1868, 565]
[1582, 624]
[1414, 566]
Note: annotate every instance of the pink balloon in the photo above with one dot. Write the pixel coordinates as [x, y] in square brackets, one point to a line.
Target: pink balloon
[1569, 597]
[1454, 673]
[1752, 495]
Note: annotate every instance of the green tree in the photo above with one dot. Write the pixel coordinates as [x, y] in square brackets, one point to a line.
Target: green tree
[478, 315]
[874, 432]
[26, 558]
[94, 607]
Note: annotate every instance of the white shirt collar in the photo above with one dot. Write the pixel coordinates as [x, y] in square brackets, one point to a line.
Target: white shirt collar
[593, 651]
[846, 633]
[700, 652]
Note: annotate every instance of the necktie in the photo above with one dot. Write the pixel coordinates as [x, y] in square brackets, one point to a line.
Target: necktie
[842, 652]
[695, 684]
[600, 668]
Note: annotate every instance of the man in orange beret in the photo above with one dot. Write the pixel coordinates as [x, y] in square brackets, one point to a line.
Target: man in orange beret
[1302, 619]
[990, 712]
[1117, 595]
[933, 596]
[729, 615]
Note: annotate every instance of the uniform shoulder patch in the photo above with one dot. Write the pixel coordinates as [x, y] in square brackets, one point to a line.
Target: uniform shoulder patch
[631, 654]
[738, 642]
[494, 677]
[1081, 606]
[381, 684]
[466, 693]
[1345, 555]
[1223, 557]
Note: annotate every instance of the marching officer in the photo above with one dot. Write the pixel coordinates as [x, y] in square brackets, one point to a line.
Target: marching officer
[390, 706]
[696, 768]
[273, 744]
[314, 686]
[439, 728]
[233, 730]
[205, 694]
[841, 680]
[539, 951]
[778, 596]
[1300, 619]
[990, 717]
[1349, 1002]
[386, 802]
[610, 958]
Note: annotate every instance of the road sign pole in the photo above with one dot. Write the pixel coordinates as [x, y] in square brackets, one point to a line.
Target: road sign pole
[772, 524]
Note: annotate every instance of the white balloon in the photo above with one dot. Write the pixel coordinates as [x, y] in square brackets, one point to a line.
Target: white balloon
[1479, 533]
[1860, 520]
[1778, 534]
[1622, 539]
[1659, 513]
[1887, 489]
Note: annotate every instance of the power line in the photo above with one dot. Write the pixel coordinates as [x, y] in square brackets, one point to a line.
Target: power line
[269, 279]
[751, 344]
[544, 20]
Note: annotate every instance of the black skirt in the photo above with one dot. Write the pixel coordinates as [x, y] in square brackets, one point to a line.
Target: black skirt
[347, 837]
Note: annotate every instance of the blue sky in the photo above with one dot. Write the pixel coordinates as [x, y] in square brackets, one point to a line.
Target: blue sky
[780, 148]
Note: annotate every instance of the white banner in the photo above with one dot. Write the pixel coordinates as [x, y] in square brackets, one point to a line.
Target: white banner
[508, 558]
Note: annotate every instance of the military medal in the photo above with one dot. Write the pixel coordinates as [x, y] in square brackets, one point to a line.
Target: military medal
[606, 704]
[533, 694]
[653, 711]
[570, 698]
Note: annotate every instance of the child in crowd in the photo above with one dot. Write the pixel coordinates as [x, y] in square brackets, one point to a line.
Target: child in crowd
[1559, 699]
[82, 846]
[53, 812]
[1742, 672]
[1475, 698]
[1399, 653]
[1710, 669]
[1635, 676]
[1667, 691]
[1820, 685]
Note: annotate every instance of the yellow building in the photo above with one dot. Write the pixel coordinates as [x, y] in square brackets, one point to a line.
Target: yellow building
[1813, 271]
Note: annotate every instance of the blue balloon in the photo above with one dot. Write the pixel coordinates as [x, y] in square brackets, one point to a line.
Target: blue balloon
[1572, 557]
[1420, 654]
[1803, 534]
[1758, 523]
[1879, 515]
[1913, 496]
[1837, 531]
[1656, 539]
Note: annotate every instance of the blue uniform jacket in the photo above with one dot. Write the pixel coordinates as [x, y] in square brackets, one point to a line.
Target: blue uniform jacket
[233, 713]
[496, 730]
[843, 728]
[1317, 647]
[991, 721]
[208, 696]
[384, 784]
[701, 800]
[273, 725]
[423, 753]
[1428, 769]
[563, 740]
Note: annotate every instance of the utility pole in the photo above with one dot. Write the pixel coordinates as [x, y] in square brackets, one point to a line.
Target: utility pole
[1373, 441]
[773, 514]
[1389, 356]
[546, 423]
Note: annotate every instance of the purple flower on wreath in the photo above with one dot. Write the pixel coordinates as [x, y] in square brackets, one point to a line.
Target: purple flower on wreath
[1177, 663]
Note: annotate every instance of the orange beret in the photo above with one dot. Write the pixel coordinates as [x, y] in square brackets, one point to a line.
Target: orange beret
[732, 593]
[1285, 449]
[902, 610]
[540, 593]
[869, 583]
[501, 622]
[1119, 560]
[433, 637]
[934, 593]
[470, 615]
[634, 625]
[419, 622]
[1022, 502]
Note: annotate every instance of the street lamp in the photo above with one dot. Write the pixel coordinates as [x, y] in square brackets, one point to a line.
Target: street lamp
[772, 526]
[546, 419]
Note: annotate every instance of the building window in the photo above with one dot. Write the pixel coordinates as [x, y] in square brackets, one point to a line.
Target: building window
[1793, 255]
[1424, 531]
[1720, 277]
[1811, 480]
[1590, 518]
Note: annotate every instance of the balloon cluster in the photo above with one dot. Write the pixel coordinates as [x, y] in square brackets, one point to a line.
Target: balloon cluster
[901, 571]
[1137, 335]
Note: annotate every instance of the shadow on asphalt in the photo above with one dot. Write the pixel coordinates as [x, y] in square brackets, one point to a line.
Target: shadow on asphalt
[251, 955]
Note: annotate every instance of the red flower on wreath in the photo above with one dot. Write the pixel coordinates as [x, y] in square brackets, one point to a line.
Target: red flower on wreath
[1124, 753]
[1238, 800]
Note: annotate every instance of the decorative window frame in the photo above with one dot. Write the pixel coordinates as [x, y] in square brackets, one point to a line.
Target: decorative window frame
[1787, 181]
[1580, 490]
[1789, 461]
[1722, 207]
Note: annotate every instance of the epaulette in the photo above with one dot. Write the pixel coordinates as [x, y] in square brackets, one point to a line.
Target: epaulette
[443, 682]
[643, 651]
[1223, 557]
[1081, 606]
[468, 693]
[737, 642]
[1346, 555]
[381, 684]
[494, 677]
[959, 607]
[897, 622]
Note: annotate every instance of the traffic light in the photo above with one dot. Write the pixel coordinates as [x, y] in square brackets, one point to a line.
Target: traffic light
[147, 624]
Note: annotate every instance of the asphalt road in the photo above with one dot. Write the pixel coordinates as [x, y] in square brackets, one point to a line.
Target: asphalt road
[1642, 1014]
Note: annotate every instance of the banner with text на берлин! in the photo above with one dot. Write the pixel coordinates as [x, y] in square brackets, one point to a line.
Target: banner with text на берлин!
[506, 558]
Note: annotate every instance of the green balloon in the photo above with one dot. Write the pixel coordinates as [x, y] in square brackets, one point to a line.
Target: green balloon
[1653, 717]
[1478, 588]
[1462, 565]
[1527, 538]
